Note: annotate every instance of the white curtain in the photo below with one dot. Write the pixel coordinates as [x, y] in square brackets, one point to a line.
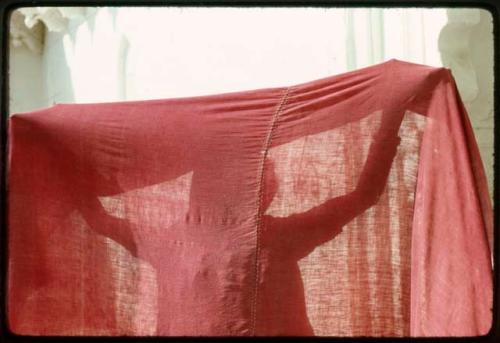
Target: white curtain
[108, 54]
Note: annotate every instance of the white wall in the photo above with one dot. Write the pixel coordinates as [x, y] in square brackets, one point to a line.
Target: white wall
[25, 80]
[146, 53]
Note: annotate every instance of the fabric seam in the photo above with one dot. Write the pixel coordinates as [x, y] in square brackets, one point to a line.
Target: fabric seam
[265, 151]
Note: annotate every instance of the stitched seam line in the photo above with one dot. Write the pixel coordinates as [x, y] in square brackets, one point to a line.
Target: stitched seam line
[259, 209]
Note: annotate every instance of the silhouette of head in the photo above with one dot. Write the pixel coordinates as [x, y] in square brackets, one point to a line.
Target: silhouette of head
[270, 184]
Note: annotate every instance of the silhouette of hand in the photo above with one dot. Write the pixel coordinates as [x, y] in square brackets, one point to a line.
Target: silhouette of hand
[121, 232]
[117, 229]
[390, 124]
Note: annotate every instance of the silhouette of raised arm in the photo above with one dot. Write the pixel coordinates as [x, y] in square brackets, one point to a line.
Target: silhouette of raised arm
[300, 233]
[101, 222]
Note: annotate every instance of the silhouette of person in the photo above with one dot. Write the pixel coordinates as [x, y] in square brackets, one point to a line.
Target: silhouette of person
[286, 240]
[281, 307]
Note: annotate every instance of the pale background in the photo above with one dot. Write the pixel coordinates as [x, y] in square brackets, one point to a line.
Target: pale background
[79, 54]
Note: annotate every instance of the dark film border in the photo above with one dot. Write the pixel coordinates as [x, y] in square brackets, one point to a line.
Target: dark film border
[7, 6]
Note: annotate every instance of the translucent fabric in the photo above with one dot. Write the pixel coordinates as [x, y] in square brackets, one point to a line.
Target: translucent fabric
[352, 205]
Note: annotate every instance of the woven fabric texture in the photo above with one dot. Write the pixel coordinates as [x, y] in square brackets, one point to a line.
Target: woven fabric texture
[352, 205]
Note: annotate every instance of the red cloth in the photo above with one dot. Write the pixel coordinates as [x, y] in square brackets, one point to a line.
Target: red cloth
[354, 204]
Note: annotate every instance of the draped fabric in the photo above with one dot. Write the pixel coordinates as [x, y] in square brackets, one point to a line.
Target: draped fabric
[355, 204]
